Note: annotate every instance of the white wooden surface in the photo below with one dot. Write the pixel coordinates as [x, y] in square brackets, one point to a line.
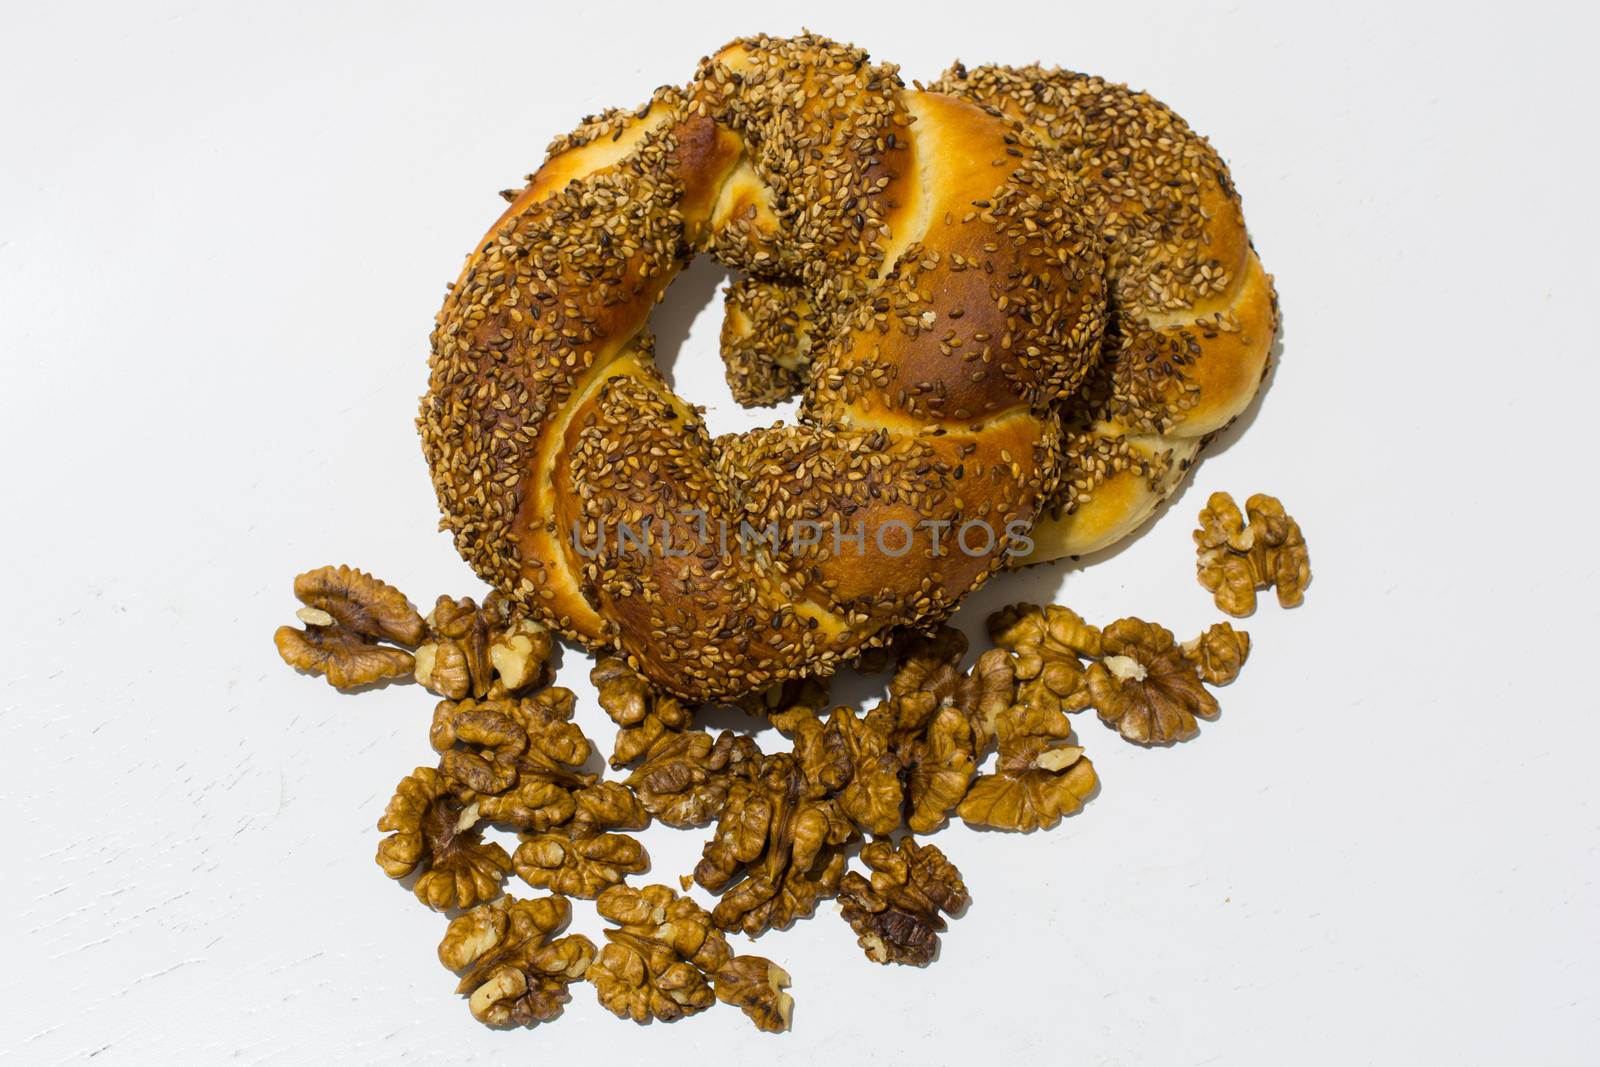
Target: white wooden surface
[223, 233]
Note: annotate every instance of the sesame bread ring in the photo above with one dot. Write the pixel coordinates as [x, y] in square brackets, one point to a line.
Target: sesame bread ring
[1191, 314]
[963, 294]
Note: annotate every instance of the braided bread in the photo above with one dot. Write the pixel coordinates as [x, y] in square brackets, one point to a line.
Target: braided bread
[943, 293]
[1190, 320]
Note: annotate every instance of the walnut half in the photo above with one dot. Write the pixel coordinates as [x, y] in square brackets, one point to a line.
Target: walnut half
[579, 863]
[756, 986]
[1145, 688]
[849, 758]
[345, 658]
[346, 613]
[515, 974]
[654, 965]
[896, 914]
[517, 758]
[436, 834]
[1047, 642]
[1235, 559]
[580, 858]
[643, 713]
[931, 667]
[1219, 653]
[1039, 776]
[684, 778]
[776, 851]
[357, 601]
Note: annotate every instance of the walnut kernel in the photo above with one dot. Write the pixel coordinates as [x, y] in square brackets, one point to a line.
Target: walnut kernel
[1038, 777]
[643, 712]
[345, 658]
[684, 778]
[531, 780]
[1219, 653]
[361, 603]
[435, 833]
[777, 847]
[1235, 559]
[755, 985]
[577, 860]
[515, 974]
[1047, 642]
[1145, 688]
[896, 914]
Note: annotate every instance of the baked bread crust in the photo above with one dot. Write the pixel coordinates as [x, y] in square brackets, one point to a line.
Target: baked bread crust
[952, 331]
[989, 332]
[1192, 314]
[1191, 318]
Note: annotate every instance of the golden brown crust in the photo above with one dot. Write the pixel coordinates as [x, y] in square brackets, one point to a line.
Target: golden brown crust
[954, 293]
[1192, 315]
[542, 310]
[905, 532]
[951, 334]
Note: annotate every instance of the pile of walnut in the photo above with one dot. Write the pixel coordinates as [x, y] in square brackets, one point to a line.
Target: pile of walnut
[785, 822]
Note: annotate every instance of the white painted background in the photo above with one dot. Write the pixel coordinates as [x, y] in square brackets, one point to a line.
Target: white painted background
[224, 231]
